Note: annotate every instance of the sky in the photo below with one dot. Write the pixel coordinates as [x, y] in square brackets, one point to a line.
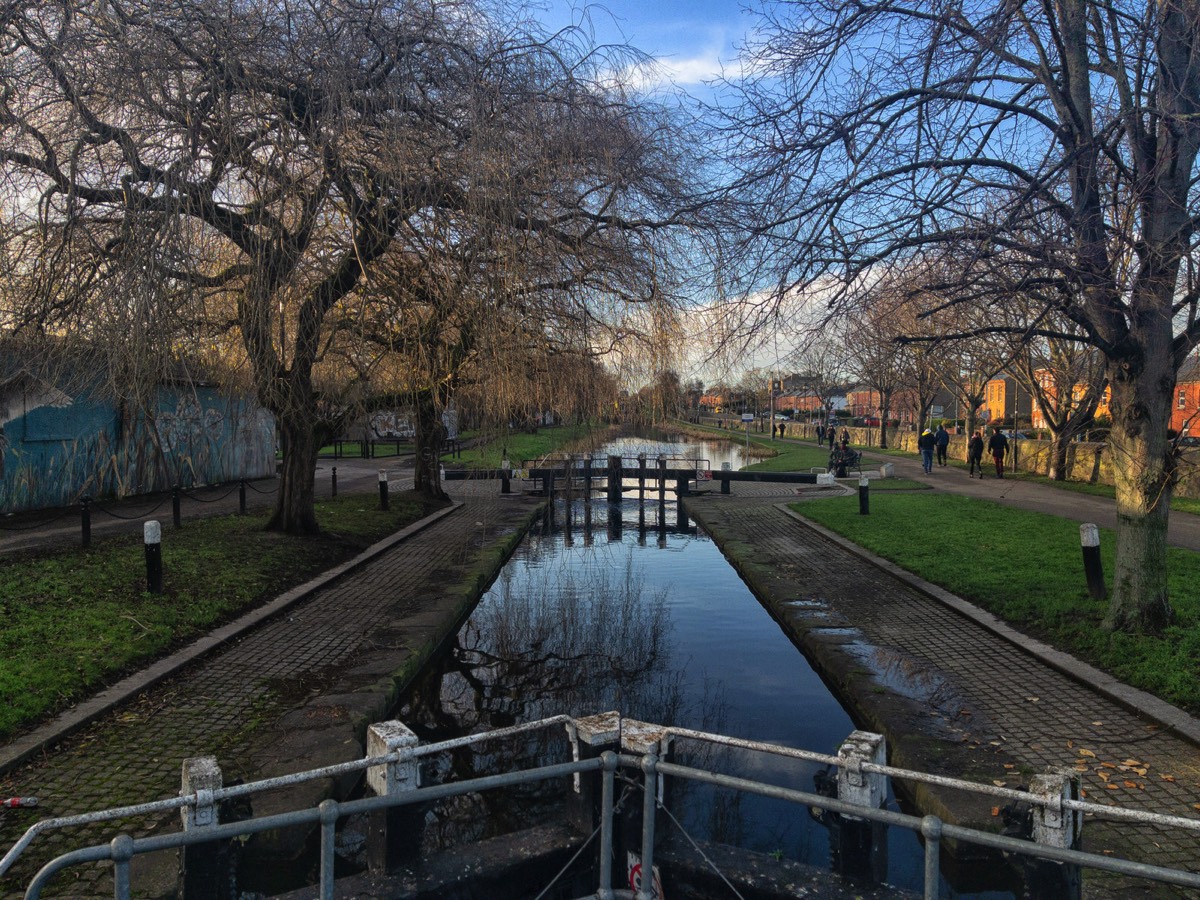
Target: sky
[690, 39]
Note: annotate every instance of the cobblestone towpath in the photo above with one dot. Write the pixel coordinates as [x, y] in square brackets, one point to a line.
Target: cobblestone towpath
[954, 696]
[292, 693]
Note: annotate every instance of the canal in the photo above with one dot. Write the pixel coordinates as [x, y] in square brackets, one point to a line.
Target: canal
[631, 607]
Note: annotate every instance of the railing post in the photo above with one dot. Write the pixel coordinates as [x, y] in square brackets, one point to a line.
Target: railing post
[85, 521]
[641, 477]
[176, 506]
[636, 832]
[393, 834]
[201, 865]
[860, 846]
[614, 479]
[587, 479]
[1056, 826]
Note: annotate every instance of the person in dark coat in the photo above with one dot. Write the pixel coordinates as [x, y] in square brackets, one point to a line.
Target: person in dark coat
[832, 437]
[941, 440]
[925, 443]
[975, 455]
[998, 447]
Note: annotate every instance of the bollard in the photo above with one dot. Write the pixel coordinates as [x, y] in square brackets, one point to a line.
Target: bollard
[201, 864]
[85, 520]
[858, 846]
[1058, 827]
[383, 490]
[152, 537]
[333, 482]
[505, 481]
[393, 834]
[241, 498]
[725, 467]
[864, 497]
[176, 511]
[1093, 566]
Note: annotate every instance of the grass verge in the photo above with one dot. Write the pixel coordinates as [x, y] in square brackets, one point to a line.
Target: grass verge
[518, 447]
[1027, 568]
[76, 620]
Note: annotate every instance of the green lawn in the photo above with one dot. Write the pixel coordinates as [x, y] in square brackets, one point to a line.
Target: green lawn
[1027, 568]
[489, 451]
[76, 619]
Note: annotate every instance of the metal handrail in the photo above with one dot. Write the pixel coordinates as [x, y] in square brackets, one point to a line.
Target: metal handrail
[121, 849]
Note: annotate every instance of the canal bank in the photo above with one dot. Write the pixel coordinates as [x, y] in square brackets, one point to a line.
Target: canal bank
[951, 696]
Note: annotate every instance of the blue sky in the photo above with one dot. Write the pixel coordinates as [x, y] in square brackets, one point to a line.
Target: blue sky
[689, 38]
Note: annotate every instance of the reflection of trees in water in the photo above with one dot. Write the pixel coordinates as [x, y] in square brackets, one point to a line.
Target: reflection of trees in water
[577, 642]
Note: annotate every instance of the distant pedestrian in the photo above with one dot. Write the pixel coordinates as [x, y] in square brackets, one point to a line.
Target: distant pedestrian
[820, 433]
[925, 443]
[846, 436]
[832, 437]
[941, 440]
[998, 447]
[975, 455]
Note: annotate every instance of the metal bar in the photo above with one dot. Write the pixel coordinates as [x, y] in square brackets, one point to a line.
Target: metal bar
[329, 817]
[931, 828]
[608, 778]
[649, 802]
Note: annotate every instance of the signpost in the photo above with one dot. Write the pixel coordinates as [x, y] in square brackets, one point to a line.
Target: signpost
[747, 418]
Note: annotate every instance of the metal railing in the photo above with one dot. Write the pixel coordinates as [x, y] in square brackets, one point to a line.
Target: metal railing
[617, 744]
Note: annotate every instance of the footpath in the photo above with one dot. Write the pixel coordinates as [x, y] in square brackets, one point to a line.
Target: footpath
[952, 691]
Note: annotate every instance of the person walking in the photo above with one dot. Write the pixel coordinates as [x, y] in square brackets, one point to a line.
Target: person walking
[941, 440]
[998, 447]
[975, 455]
[925, 443]
[832, 437]
[820, 433]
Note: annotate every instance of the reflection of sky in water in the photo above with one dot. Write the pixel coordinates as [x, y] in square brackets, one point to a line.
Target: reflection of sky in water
[648, 618]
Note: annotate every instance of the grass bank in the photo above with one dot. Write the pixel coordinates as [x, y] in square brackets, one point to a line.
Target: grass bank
[487, 452]
[1027, 568]
[75, 620]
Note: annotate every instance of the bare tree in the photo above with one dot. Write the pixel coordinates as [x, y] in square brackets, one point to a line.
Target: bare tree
[262, 168]
[1064, 136]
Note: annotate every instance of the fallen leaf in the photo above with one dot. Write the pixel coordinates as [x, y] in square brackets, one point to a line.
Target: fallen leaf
[1108, 765]
[1104, 776]
[1083, 752]
[999, 782]
[1131, 784]
[1196, 806]
[1070, 744]
[1133, 762]
[995, 810]
[1097, 723]
[1010, 765]
[1113, 787]
[1082, 793]
[1033, 699]
[1170, 778]
[1142, 770]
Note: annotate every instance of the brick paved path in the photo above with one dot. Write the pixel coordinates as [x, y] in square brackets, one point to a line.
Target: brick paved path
[336, 645]
[998, 704]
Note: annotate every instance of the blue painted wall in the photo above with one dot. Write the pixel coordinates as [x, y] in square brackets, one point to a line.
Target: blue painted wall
[57, 449]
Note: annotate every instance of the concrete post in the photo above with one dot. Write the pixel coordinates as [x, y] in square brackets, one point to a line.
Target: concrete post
[725, 467]
[394, 834]
[201, 868]
[887, 470]
[1058, 827]
[859, 846]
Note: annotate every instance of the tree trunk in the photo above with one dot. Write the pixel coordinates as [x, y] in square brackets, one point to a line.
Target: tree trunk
[294, 512]
[431, 434]
[1144, 475]
[884, 409]
[1058, 455]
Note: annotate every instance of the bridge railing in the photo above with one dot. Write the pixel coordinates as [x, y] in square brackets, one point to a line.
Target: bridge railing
[607, 744]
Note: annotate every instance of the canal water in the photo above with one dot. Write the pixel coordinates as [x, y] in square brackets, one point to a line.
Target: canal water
[631, 607]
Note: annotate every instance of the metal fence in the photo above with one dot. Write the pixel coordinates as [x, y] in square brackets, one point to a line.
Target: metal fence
[609, 744]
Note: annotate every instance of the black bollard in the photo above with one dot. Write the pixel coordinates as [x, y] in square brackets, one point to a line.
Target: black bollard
[152, 536]
[333, 482]
[383, 490]
[85, 520]
[864, 498]
[1093, 567]
[241, 498]
[505, 481]
[176, 512]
